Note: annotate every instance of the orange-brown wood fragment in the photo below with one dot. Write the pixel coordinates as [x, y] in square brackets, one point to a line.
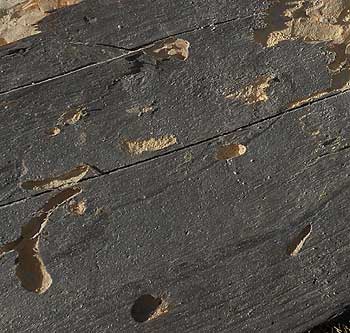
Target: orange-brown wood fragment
[68, 178]
[72, 116]
[170, 48]
[21, 20]
[34, 227]
[253, 93]
[229, 151]
[297, 243]
[31, 270]
[53, 131]
[153, 144]
[78, 208]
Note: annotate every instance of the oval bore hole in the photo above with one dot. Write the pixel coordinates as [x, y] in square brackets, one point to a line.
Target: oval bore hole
[144, 307]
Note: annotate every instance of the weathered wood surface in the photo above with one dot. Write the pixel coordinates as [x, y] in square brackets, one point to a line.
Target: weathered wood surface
[209, 236]
[188, 100]
[79, 36]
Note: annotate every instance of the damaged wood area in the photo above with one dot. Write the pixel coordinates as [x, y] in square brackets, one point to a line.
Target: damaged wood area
[138, 147]
[66, 179]
[314, 21]
[217, 201]
[185, 215]
[169, 48]
[253, 93]
[21, 19]
[30, 268]
[298, 241]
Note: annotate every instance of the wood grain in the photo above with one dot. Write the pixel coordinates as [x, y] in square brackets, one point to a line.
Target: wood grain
[208, 237]
[96, 31]
[187, 100]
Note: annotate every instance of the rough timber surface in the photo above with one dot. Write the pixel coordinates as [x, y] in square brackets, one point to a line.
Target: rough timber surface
[208, 236]
[96, 31]
[188, 100]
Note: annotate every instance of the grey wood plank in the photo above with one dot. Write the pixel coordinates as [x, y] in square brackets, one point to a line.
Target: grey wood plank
[73, 37]
[188, 99]
[208, 236]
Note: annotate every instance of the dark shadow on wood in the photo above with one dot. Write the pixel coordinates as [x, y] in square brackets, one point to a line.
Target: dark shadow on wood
[338, 323]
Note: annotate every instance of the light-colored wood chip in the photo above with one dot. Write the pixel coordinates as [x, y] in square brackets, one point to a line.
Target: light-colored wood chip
[35, 226]
[298, 242]
[153, 144]
[229, 151]
[169, 48]
[68, 178]
[53, 131]
[78, 208]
